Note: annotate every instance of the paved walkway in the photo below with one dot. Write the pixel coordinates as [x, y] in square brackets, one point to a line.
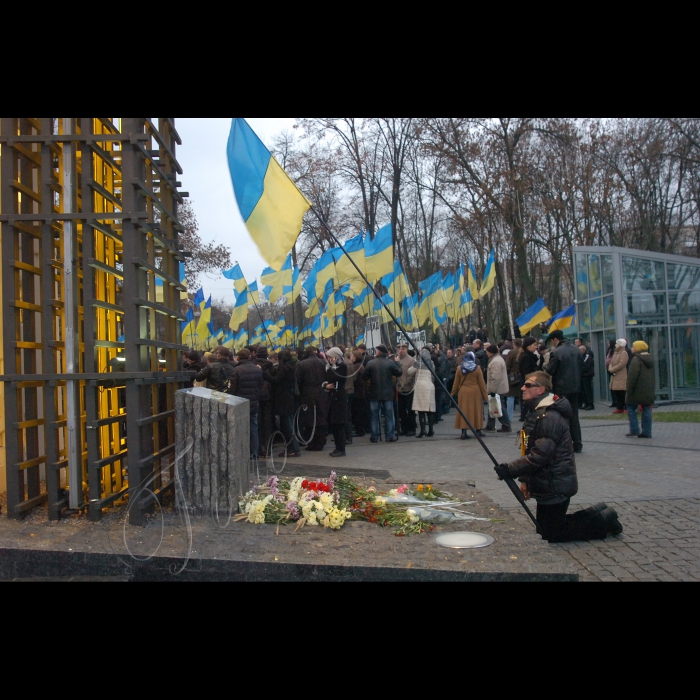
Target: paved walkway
[653, 484]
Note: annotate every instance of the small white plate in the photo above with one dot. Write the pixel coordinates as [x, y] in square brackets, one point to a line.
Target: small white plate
[464, 540]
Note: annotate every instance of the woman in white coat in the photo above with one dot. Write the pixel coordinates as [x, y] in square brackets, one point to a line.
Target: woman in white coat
[424, 392]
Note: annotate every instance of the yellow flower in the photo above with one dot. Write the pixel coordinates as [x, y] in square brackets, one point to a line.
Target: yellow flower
[419, 487]
[430, 488]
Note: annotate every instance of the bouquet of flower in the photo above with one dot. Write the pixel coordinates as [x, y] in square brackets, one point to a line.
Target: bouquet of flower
[301, 501]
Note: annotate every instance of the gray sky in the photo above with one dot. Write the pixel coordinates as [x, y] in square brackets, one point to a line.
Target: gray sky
[206, 177]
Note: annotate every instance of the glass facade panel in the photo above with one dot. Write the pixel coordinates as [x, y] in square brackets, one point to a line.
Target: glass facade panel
[584, 317]
[640, 274]
[581, 277]
[683, 276]
[609, 311]
[645, 309]
[657, 340]
[685, 345]
[607, 273]
[595, 283]
[596, 314]
[684, 307]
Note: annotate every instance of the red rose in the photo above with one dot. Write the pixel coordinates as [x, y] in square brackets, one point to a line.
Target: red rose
[305, 484]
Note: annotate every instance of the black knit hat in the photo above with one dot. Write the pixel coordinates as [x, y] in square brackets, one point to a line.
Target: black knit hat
[527, 342]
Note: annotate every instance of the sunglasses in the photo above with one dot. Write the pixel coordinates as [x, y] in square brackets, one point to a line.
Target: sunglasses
[529, 385]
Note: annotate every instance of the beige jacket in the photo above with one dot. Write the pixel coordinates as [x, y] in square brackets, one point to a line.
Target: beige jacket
[497, 376]
[618, 367]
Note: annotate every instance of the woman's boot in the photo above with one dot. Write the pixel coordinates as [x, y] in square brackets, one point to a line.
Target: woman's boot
[421, 418]
[431, 421]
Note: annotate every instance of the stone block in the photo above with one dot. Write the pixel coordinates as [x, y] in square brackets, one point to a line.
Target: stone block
[214, 471]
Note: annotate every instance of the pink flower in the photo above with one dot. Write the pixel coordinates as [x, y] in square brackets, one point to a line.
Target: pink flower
[402, 489]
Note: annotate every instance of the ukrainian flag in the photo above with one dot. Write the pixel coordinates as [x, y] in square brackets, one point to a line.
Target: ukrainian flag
[361, 302]
[438, 320]
[203, 331]
[564, 319]
[199, 298]
[276, 282]
[240, 310]
[489, 274]
[183, 281]
[379, 254]
[254, 293]
[355, 249]
[537, 313]
[188, 328]
[271, 204]
[471, 280]
[236, 274]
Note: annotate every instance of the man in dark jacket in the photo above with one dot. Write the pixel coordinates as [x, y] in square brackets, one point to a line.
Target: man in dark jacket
[379, 371]
[246, 382]
[641, 389]
[223, 355]
[282, 381]
[547, 469]
[213, 373]
[480, 355]
[587, 374]
[310, 375]
[565, 366]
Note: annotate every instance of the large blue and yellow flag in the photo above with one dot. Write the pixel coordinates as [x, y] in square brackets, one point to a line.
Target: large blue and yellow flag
[537, 313]
[188, 328]
[355, 248]
[489, 274]
[271, 205]
[203, 331]
[276, 282]
[564, 319]
[379, 254]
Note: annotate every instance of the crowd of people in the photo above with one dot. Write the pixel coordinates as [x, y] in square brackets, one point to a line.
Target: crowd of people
[307, 395]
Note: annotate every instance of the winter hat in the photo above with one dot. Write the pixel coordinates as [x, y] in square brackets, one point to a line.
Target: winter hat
[527, 342]
[261, 354]
[493, 349]
[429, 347]
[382, 349]
[335, 352]
[640, 346]
[621, 342]
[555, 335]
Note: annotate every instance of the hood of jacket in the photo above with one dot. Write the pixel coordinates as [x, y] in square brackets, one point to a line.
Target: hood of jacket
[556, 403]
[645, 357]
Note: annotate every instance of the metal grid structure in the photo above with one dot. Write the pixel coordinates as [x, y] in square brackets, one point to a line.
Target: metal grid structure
[90, 310]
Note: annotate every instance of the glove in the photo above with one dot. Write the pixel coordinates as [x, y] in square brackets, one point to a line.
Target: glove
[502, 470]
[493, 396]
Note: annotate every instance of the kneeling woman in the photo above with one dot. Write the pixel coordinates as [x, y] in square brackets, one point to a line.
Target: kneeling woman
[470, 389]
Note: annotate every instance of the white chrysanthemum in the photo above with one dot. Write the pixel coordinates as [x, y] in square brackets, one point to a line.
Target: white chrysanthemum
[393, 493]
[296, 484]
[413, 516]
[293, 495]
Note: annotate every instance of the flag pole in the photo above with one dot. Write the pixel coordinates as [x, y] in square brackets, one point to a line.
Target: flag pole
[509, 482]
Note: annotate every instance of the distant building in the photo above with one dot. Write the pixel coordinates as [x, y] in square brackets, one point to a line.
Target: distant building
[639, 295]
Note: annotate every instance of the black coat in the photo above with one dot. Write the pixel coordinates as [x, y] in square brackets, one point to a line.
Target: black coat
[548, 467]
[588, 365]
[529, 363]
[337, 398]
[565, 365]
[265, 366]
[379, 371]
[282, 388]
[246, 382]
[482, 360]
[310, 375]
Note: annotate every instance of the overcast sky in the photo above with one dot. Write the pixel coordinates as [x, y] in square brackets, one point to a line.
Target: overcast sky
[206, 177]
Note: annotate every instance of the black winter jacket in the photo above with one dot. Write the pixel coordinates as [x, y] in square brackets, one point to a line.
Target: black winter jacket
[379, 371]
[214, 374]
[548, 467]
[310, 375]
[565, 366]
[588, 364]
[246, 382]
[282, 383]
[529, 363]
[338, 413]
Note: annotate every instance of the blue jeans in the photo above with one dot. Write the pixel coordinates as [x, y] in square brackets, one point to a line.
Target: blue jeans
[510, 402]
[387, 408]
[646, 419]
[254, 444]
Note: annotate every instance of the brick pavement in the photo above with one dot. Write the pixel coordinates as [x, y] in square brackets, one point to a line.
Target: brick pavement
[653, 484]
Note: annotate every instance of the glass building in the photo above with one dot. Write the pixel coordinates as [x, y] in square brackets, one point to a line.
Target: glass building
[638, 295]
